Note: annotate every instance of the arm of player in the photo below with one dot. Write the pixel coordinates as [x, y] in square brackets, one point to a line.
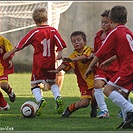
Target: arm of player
[61, 67]
[59, 55]
[91, 66]
[79, 58]
[107, 62]
[8, 54]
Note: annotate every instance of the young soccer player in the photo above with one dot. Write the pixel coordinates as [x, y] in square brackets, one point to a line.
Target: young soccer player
[102, 76]
[79, 61]
[120, 41]
[44, 38]
[6, 68]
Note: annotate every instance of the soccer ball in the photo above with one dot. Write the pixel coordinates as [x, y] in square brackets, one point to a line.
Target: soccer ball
[28, 109]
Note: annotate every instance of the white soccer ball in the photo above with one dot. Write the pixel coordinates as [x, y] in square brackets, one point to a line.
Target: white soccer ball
[28, 109]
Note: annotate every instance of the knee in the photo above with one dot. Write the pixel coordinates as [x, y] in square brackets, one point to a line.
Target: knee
[4, 85]
[85, 104]
[99, 84]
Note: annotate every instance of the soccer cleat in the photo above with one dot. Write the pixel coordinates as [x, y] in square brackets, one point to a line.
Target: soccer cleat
[41, 104]
[59, 105]
[127, 127]
[103, 114]
[128, 121]
[66, 113]
[120, 114]
[12, 96]
[7, 107]
[93, 112]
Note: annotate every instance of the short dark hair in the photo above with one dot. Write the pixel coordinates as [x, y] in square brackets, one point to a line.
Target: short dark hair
[118, 14]
[105, 13]
[75, 33]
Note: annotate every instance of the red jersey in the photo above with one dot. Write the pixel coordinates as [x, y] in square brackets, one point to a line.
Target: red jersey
[97, 44]
[120, 40]
[43, 39]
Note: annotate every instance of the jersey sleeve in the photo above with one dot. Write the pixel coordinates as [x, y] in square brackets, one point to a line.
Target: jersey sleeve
[26, 40]
[60, 43]
[7, 44]
[107, 45]
[88, 51]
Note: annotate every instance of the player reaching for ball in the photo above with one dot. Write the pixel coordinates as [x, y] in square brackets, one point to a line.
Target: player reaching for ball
[44, 38]
[79, 61]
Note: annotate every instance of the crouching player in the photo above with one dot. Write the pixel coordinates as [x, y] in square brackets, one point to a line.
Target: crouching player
[79, 61]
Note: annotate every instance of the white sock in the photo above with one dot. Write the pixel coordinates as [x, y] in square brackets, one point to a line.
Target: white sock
[100, 99]
[129, 99]
[121, 102]
[55, 90]
[124, 113]
[37, 94]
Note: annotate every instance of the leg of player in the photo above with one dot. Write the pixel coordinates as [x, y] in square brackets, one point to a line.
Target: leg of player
[3, 103]
[7, 88]
[100, 99]
[94, 106]
[82, 103]
[60, 79]
[57, 96]
[39, 98]
[121, 102]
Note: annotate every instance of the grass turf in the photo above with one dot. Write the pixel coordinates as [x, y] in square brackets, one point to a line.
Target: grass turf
[80, 120]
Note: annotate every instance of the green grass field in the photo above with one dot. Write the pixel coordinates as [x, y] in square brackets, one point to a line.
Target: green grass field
[80, 120]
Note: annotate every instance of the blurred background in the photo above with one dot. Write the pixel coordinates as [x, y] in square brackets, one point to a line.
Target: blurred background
[66, 16]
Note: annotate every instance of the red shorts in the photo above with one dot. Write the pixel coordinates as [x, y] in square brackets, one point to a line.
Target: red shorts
[4, 78]
[104, 75]
[40, 72]
[123, 79]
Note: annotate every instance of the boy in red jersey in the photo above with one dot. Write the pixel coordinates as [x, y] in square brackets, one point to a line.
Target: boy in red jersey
[44, 38]
[79, 61]
[119, 40]
[102, 76]
[6, 68]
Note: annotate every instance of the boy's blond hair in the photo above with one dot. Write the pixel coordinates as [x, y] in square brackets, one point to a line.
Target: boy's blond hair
[40, 15]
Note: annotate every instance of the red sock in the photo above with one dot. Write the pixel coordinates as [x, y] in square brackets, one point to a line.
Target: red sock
[72, 107]
[9, 90]
[3, 102]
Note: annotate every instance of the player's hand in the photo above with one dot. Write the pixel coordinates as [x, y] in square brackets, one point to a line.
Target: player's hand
[66, 59]
[6, 55]
[53, 71]
[91, 56]
[88, 72]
